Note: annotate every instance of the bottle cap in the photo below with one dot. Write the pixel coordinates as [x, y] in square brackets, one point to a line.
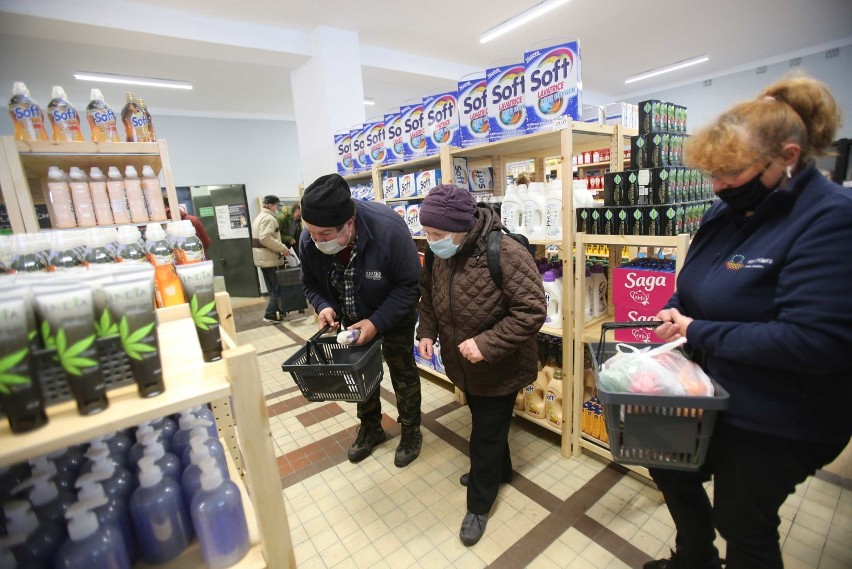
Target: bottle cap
[149, 473]
[76, 173]
[59, 92]
[41, 465]
[96, 95]
[154, 232]
[188, 421]
[20, 88]
[44, 489]
[198, 450]
[95, 173]
[130, 172]
[113, 172]
[211, 478]
[90, 488]
[128, 234]
[153, 447]
[20, 518]
[129, 98]
[83, 524]
[147, 171]
[144, 429]
[549, 276]
[173, 228]
[55, 173]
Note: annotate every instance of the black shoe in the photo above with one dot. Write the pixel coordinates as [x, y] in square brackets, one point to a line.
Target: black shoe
[674, 562]
[273, 319]
[472, 528]
[409, 446]
[465, 478]
[367, 439]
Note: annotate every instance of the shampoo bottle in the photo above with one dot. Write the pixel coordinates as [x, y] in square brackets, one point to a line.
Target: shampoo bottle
[189, 248]
[49, 502]
[91, 544]
[109, 510]
[40, 540]
[162, 524]
[168, 463]
[190, 480]
[201, 436]
[219, 519]
[118, 482]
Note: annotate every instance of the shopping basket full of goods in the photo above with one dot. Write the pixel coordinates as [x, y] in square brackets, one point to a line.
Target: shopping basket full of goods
[325, 370]
[659, 406]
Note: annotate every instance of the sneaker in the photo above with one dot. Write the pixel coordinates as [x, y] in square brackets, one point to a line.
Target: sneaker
[472, 528]
[367, 438]
[465, 478]
[273, 319]
[409, 446]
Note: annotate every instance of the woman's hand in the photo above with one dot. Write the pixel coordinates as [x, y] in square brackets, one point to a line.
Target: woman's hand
[470, 351]
[674, 324]
[425, 348]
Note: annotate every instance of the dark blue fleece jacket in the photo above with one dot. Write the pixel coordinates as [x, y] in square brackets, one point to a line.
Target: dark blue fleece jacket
[387, 267]
[771, 296]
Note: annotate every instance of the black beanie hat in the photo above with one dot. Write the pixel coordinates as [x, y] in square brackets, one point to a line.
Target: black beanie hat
[271, 200]
[327, 202]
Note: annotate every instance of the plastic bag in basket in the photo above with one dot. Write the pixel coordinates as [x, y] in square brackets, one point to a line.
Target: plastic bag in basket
[658, 371]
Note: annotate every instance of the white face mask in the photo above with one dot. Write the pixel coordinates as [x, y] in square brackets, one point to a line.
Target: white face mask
[332, 246]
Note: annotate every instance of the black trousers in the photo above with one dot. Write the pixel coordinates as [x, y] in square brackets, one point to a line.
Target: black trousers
[753, 474]
[397, 349]
[490, 462]
[272, 286]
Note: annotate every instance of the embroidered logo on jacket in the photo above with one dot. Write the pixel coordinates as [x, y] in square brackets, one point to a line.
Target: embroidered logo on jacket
[735, 263]
[373, 275]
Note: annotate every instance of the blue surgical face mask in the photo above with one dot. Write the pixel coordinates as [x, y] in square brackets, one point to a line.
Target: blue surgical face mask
[444, 248]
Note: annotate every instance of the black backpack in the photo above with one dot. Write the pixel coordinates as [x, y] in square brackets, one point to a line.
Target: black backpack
[492, 253]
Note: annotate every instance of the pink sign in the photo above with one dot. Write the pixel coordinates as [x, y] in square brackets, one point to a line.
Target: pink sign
[648, 290]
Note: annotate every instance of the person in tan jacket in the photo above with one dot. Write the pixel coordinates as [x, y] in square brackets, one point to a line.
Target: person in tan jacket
[487, 332]
[268, 252]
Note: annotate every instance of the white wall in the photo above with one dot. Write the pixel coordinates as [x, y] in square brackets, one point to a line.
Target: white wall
[706, 100]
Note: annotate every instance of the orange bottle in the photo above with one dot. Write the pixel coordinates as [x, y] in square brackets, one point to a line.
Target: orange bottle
[135, 122]
[101, 119]
[63, 116]
[26, 115]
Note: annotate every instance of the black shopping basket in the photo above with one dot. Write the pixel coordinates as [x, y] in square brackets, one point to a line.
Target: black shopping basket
[655, 431]
[327, 371]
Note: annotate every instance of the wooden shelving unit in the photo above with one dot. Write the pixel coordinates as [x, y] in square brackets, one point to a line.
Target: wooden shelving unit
[24, 165]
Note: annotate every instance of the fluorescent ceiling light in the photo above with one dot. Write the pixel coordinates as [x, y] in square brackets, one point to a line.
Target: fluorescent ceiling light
[129, 80]
[521, 19]
[667, 68]
[369, 102]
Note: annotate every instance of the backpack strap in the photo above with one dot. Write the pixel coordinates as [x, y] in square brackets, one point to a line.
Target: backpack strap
[493, 256]
[429, 258]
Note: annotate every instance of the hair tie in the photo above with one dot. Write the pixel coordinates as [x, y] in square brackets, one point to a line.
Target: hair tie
[769, 98]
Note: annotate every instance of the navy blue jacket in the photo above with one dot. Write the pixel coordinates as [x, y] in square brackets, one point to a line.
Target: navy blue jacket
[387, 267]
[771, 296]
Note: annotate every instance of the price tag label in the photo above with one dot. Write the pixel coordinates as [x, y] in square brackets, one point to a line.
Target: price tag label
[560, 123]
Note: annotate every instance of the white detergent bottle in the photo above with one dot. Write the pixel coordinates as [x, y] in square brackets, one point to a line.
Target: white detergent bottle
[160, 518]
[553, 300]
[534, 211]
[553, 210]
[219, 519]
[599, 286]
[100, 197]
[589, 297]
[91, 544]
[512, 210]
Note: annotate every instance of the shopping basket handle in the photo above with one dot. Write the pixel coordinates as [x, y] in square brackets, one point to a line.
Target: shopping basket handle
[622, 326]
[311, 345]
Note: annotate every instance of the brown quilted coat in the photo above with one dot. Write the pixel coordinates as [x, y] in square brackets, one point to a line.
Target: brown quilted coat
[459, 300]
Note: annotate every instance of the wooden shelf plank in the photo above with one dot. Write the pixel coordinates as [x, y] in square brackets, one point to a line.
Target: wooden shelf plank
[58, 148]
[539, 143]
[357, 177]
[413, 164]
[557, 332]
[540, 422]
[630, 240]
[435, 373]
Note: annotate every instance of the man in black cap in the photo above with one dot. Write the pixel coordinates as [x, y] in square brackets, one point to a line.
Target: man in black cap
[268, 252]
[360, 268]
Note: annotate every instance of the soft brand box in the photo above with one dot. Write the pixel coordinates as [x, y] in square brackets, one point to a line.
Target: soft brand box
[390, 188]
[481, 180]
[441, 114]
[408, 185]
[642, 288]
[413, 131]
[473, 111]
[507, 114]
[359, 149]
[426, 180]
[374, 140]
[343, 149]
[552, 85]
[394, 144]
[636, 335]
[412, 219]
[461, 175]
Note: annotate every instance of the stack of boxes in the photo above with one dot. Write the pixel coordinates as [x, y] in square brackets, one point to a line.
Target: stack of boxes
[639, 291]
[657, 196]
[410, 186]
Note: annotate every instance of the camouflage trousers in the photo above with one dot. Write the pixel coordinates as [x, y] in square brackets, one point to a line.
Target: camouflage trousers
[397, 348]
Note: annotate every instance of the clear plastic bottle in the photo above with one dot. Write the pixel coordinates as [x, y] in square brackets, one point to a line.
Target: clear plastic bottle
[84, 209]
[153, 194]
[101, 119]
[25, 254]
[100, 196]
[117, 196]
[135, 197]
[167, 287]
[134, 119]
[91, 544]
[60, 202]
[63, 254]
[189, 248]
[219, 519]
[152, 137]
[159, 503]
[98, 251]
[63, 116]
[129, 249]
[173, 236]
[26, 115]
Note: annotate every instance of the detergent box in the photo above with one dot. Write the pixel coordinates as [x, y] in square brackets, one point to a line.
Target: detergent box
[374, 140]
[390, 188]
[507, 114]
[408, 185]
[394, 147]
[473, 111]
[441, 113]
[360, 156]
[343, 149]
[482, 180]
[427, 180]
[460, 173]
[552, 85]
[413, 131]
[412, 218]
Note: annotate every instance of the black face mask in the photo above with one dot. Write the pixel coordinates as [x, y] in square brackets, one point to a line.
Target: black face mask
[745, 198]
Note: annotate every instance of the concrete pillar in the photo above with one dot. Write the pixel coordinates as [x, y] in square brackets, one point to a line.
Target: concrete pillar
[328, 95]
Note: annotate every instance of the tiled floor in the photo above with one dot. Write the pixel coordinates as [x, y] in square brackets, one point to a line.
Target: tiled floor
[557, 512]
